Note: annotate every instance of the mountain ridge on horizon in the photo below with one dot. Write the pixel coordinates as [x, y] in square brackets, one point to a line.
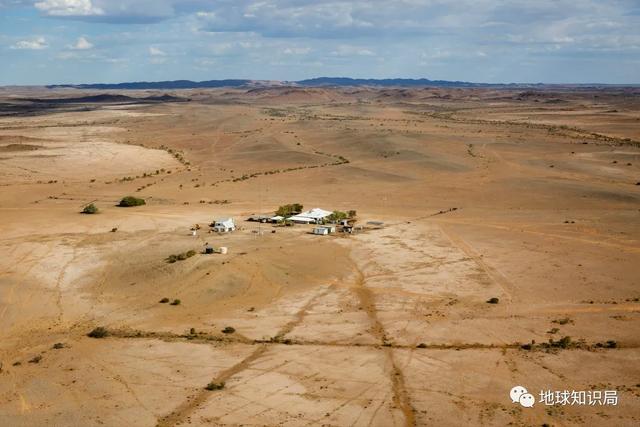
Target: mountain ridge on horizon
[313, 82]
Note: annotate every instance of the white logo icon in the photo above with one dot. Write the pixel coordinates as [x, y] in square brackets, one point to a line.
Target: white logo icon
[527, 400]
[520, 395]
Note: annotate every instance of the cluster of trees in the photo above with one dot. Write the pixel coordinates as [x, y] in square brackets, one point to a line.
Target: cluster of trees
[339, 215]
[288, 210]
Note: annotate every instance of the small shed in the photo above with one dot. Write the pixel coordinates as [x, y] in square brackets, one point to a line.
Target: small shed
[320, 230]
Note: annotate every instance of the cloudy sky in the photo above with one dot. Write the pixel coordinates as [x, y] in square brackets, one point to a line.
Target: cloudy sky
[86, 41]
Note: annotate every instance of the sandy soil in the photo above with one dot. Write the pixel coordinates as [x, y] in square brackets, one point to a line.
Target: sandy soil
[389, 327]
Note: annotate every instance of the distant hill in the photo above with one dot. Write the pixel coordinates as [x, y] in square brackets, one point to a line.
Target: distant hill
[106, 98]
[174, 84]
[316, 82]
[346, 81]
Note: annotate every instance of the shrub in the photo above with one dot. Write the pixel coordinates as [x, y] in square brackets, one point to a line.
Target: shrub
[215, 386]
[192, 331]
[36, 359]
[130, 201]
[99, 332]
[562, 321]
[90, 209]
[176, 302]
[564, 342]
[58, 346]
[493, 300]
[164, 300]
[180, 257]
[228, 330]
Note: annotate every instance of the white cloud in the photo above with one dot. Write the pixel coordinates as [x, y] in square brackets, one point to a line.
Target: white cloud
[36, 43]
[154, 51]
[69, 8]
[82, 44]
[348, 50]
[296, 50]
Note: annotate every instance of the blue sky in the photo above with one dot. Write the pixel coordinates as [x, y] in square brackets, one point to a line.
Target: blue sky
[495, 41]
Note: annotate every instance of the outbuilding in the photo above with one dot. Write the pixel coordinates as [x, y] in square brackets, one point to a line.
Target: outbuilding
[323, 231]
[224, 225]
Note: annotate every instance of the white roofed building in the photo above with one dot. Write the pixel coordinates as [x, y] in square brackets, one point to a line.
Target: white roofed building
[224, 225]
[315, 215]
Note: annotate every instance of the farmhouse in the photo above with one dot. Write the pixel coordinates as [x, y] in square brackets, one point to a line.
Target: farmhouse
[224, 225]
[313, 216]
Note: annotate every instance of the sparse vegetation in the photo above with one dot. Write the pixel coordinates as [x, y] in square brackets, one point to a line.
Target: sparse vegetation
[228, 330]
[131, 201]
[36, 359]
[215, 386]
[176, 302]
[90, 209]
[99, 332]
[493, 300]
[164, 300]
[563, 321]
[180, 257]
[58, 346]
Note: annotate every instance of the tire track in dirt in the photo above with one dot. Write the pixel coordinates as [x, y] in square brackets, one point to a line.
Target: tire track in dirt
[182, 412]
[493, 273]
[400, 394]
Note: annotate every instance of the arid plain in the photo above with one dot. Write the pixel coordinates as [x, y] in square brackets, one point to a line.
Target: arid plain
[388, 327]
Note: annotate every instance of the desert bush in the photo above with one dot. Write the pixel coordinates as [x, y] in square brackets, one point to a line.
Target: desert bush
[90, 209]
[58, 346]
[180, 257]
[164, 300]
[131, 201]
[564, 342]
[176, 302]
[562, 321]
[215, 386]
[228, 330]
[36, 359]
[608, 344]
[99, 332]
[493, 300]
